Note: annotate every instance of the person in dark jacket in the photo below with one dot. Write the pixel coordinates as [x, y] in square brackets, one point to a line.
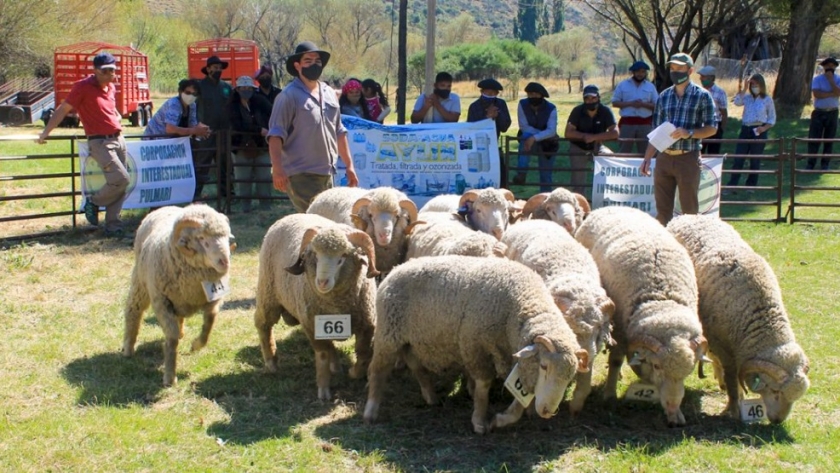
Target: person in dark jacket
[537, 134]
[265, 77]
[489, 105]
[248, 112]
[214, 94]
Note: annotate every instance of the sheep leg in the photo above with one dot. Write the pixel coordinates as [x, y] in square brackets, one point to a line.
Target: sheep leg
[181, 327]
[210, 313]
[326, 362]
[264, 320]
[168, 321]
[364, 350]
[137, 303]
[512, 414]
[481, 398]
[380, 367]
[423, 377]
[733, 392]
[583, 386]
[616, 359]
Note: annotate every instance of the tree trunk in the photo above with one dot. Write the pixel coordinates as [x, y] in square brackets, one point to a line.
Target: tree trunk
[793, 85]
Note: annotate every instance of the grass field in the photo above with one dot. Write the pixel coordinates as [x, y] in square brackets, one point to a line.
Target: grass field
[70, 401]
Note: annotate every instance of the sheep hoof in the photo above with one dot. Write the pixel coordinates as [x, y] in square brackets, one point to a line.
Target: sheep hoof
[270, 366]
[169, 381]
[128, 351]
[196, 345]
[481, 428]
[324, 394]
[357, 371]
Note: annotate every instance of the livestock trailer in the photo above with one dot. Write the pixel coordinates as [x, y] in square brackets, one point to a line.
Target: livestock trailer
[23, 101]
[75, 62]
[242, 56]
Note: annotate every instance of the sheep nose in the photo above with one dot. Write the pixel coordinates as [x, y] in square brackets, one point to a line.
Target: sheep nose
[224, 263]
[569, 226]
[498, 232]
[322, 283]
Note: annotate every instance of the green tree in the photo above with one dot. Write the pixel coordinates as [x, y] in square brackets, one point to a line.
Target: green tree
[572, 49]
[525, 25]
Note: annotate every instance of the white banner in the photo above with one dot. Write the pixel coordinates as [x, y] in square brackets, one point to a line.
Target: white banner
[423, 160]
[617, 181]
[160, 172]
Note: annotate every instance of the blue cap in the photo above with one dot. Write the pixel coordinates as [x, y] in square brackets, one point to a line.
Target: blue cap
[639, 65]
[104, 61]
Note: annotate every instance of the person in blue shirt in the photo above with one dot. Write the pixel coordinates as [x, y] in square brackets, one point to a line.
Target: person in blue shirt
[826, 91]
[177, 116]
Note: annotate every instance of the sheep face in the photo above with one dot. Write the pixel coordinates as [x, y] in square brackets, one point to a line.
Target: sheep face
[379, 213]
[589, 319]
[331, 256]
[204, 244]
[547, 373]
[778, 389]
[666, 367]
[562, 213]
[565, 208]
[487, 210]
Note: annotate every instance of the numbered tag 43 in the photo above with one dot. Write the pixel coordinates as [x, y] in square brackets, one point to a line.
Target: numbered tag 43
[332, 327]
[215, 290]
[642, 392]
[514, 385]
[752, 410]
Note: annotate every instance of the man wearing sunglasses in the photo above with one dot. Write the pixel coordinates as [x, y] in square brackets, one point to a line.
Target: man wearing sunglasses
[94, 100]
[178, 115]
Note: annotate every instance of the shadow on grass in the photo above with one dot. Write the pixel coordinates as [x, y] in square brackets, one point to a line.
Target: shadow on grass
[441, 437]
[262, 405]
[114, 380]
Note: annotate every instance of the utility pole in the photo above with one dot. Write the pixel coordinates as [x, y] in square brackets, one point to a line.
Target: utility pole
[402, 70]
[431, 6]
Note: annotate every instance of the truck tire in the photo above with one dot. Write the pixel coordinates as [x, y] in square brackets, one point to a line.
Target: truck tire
[141, 114]
[17, 116]
[134, 118]
[46, 115]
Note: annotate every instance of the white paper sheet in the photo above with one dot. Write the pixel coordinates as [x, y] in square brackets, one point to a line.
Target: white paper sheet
[660, 137]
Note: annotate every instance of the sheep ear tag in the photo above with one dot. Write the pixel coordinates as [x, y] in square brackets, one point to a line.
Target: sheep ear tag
[514, 384]
[752, 410]
[642, 392]
[215, 290]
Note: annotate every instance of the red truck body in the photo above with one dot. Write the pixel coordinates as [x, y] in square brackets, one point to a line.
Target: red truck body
[75, 62]
[242, 56]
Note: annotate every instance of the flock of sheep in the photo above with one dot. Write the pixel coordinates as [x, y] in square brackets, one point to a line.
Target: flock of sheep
[490, 287]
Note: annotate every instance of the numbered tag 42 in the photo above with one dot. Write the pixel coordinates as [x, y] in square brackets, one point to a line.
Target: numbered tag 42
[514, 385]
[215, 290]
[752, 410]
[332, 327]
[642, 392]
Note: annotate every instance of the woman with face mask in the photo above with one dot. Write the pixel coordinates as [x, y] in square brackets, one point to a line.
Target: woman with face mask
[248, 113]
[759, 116]
[351, 100]
[177, 116]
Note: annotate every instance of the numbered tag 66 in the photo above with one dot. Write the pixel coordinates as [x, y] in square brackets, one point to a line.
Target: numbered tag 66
[332, 327]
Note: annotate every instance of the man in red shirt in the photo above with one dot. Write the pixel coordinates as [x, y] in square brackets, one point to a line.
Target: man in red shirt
[94, 100]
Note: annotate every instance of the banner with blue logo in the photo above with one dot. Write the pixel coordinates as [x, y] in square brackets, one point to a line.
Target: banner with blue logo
[423, 160]
[617, 181]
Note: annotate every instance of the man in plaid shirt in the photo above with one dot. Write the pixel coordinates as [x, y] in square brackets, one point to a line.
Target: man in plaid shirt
[691, 109]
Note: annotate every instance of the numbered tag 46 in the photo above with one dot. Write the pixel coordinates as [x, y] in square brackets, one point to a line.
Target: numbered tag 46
[215, 290]
[514, 385]
[332, 327]
[642, 392]
[752, 410]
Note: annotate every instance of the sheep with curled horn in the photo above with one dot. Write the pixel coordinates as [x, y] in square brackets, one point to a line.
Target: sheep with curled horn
[179, 254]
[487, 210]
[561, 206]
[312, 266]
[385, 213]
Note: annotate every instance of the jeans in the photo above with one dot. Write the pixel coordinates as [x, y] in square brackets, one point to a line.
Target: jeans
[747, 148]
[823, 125]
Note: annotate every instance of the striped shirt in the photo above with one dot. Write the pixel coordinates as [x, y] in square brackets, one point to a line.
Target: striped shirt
[757, 110]
[694, 110]
[720, 99]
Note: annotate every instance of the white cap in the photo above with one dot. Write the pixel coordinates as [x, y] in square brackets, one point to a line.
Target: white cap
[707, 71]
[245, 81]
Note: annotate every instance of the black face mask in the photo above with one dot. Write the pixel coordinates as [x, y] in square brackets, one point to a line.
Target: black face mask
[265, 82]
[442, 93]
[679, 77]
[246, 94]
[592, 106]
[829, 70]
[216, 75]
[312, 72]
[536, 101]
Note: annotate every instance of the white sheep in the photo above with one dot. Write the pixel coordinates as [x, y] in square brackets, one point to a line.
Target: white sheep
[650, 278]
[384, 213]
[444, 203]
[436, 234]
[336, 203]
[480, 315]
[182, 258]
[561, 206]
[312, 266]
[573, 280]
[743, 317]
[487, 210]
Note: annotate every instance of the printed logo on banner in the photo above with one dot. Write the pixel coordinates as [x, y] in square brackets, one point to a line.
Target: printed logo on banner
[92, 177]
[708, 195]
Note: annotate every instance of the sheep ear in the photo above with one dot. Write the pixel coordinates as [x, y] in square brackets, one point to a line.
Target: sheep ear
[297, 268]
[232, 241]
[359, 222]
[583, 361]
[636, 359]
[526, 352]
[564, 302]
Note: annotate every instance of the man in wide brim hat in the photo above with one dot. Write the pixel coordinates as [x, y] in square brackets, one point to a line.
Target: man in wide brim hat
[213, 60]
[300, 50]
